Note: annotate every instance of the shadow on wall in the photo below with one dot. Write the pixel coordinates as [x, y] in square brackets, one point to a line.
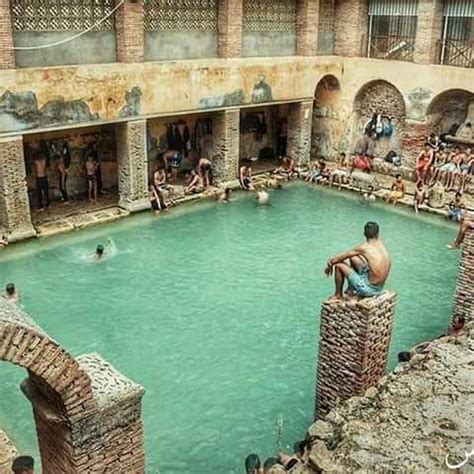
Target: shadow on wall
[327, 128]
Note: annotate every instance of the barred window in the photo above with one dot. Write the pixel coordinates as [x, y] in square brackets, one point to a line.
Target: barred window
[269, 15]
[181, 15]
[61, 15]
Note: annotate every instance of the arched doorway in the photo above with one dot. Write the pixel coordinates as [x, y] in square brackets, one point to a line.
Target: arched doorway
[326, 125]
[379, 100]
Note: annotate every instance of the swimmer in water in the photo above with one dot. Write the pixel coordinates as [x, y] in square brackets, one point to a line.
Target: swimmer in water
[99, 252]
[11, 293]
[262, 197]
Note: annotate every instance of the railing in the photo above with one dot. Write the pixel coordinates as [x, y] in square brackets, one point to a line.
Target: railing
[397, 48]
[455, 53]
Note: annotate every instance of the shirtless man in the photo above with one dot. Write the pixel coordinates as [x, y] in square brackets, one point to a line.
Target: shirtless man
[91, 171]
[367, 269]
[467, 223]
[11, 293]
[204, 170]
[398, 190]
[42, 185]
[194, 184]
[245, 177]
[423, 163]
[64, 162]
[159, 181]
[421, 195]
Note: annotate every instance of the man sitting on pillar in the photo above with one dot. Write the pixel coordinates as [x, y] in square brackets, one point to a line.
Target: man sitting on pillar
[367, 268]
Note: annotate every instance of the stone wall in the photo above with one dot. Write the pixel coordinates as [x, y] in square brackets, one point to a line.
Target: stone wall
[229, 28]
[14, 206]
[353, 350]
[351, 18]
[7, 55]
[300, 119]
[326, 33]
[464, 297]
[129, 29]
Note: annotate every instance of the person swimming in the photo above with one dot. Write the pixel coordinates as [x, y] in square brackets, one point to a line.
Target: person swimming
[262, 197]
[99, 252]
[11, 293]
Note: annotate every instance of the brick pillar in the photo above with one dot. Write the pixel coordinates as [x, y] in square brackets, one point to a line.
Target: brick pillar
[230, 28]
[353, 348]
[7, 54]
[14, 204]
[225, 145]
[464, 297]
[308, 21]
[132, 165]
[351, 26]
[429, 31]
[299, 131]
[130, 33]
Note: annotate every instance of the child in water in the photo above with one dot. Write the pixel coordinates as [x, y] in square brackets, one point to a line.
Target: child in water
[108, 248]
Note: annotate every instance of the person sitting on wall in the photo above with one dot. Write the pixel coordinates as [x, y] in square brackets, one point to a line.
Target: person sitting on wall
[288, 168]
[194, 184]
[466, 168]
[421, 195]
[457, 326]
[365, 267]
[91, 171]
[362, 163]
[455, 208]
[424, 163]
[313, 171]
[321, 175]
[438, 163]
[204, 170]
[299, 458]
[11, 293]
[341, 175]
[392, 158]
[466, 223]
[156, 199]
[161, 186]
[451, 169]
[23, 465]
[245, 176]
[274, 181]
[398, 190]
[42, 185]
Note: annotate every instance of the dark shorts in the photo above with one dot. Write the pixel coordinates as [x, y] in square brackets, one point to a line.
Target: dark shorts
[245, 183]
[154, 205]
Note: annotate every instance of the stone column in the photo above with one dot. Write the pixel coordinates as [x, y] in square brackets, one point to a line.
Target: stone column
[225, 145]
[14, 204]
[130, 34]
[132, 165]
[229, 25]
[351, 26]
[464, 297]
[299, 131]
[7, 54]
[429, 31]
[308, 21]
[353, 349]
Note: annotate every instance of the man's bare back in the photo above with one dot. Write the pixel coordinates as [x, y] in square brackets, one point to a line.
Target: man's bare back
[378, 261]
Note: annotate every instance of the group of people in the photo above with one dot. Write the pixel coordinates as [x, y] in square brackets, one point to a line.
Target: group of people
[60, 157]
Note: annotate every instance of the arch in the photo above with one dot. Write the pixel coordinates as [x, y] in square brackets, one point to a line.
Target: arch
[380, 96]
[452, 106]
[77, 403]
[325, 134]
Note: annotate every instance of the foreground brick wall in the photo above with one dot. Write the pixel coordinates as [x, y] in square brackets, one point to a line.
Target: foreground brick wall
[225, 151]
[308, 20]
[7, 54]
[351, 26]
[300, 119]
[132, 165]
[353, 349]
[229, 25]
[130, 34]
[429, 30]
[87, 415]
[464, 297]
[14, 205]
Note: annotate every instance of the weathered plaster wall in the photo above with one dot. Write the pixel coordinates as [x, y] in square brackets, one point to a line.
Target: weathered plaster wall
[82, 50]
[186, 44]
[268, 43]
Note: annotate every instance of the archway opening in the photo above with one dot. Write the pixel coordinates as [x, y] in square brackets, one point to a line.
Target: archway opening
[326, 132]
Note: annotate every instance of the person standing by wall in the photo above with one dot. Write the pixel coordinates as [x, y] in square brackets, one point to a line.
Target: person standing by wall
[42, 185]
[64, 162]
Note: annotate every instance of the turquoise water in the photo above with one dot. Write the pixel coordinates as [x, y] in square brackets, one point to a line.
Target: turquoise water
[214, 309]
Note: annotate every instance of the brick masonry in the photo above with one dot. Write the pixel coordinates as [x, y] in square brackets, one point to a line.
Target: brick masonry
[464, 297]
[300, 119]
[429, 30]
[308, 20]
[351, 26]
[7, 54]
[132, 165]
[87, 415]
[225, 152]
[14, 205]
[130, 35]
[353, 349]
[229, 24]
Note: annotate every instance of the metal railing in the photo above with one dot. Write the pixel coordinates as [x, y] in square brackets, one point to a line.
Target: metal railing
[396, 48]
[455, 53]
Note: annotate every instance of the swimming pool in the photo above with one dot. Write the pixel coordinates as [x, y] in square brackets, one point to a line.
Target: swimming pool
[214, 309]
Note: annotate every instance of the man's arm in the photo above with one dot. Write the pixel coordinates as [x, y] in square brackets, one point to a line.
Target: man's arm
[345, 255]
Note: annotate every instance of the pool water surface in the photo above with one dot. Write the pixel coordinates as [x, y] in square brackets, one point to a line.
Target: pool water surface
[214, 309]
